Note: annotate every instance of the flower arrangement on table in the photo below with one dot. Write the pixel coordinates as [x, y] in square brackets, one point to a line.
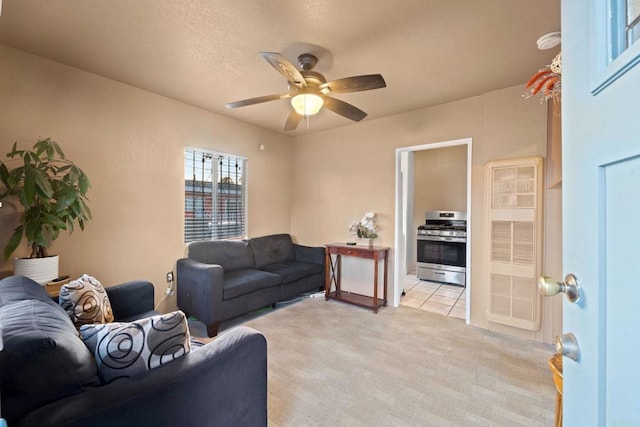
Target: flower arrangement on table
[366, 228]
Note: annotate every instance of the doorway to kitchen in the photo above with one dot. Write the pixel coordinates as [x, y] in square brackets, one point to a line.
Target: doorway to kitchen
[425, 181]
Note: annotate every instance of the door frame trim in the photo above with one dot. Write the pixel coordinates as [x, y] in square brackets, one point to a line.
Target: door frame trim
[400, 242]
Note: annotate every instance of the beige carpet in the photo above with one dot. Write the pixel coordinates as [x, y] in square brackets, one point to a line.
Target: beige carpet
[333, 364]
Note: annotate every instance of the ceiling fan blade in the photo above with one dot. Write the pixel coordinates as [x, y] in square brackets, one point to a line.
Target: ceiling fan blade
[355, 83]
[293, 120]
[344, 109]
[257, 100]
[284, 67]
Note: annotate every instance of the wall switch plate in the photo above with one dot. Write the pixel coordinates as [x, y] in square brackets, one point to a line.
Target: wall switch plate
[170, 277]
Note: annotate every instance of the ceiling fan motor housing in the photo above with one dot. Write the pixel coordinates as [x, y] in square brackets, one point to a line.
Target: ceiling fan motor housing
[307, 61]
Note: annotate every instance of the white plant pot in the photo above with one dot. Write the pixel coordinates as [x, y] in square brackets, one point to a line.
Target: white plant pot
[41, 270]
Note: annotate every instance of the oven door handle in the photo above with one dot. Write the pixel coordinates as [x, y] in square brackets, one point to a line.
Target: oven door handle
[443, 239]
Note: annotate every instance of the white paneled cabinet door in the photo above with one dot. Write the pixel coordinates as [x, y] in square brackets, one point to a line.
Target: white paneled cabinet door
[514, 247]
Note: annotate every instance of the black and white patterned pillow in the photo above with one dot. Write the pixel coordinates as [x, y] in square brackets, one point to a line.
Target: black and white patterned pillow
[85, 301]
[127, 349]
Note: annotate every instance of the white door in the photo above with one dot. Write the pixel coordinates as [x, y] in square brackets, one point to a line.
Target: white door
[601, 210]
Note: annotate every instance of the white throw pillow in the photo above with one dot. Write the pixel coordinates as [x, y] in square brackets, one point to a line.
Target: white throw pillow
[85, 301]
[126, 349]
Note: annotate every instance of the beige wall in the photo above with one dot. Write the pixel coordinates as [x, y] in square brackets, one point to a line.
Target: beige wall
[440, 180]
[130, 143]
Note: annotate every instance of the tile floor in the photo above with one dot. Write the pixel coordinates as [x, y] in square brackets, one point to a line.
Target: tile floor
[448, 300]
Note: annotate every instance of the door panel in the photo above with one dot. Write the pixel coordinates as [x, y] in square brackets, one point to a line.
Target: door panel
[601, 201]
[621, 181]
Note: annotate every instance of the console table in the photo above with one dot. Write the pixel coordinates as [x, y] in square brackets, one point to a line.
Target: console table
[333, 272]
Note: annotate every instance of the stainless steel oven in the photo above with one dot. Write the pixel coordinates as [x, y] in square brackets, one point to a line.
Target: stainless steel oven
[442, 247]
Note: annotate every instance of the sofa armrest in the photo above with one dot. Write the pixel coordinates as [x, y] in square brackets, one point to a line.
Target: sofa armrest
[314, 254]
[199, 288]
[223, 383]
[131, 298]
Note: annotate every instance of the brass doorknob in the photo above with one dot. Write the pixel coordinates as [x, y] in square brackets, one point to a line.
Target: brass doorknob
[549, 287]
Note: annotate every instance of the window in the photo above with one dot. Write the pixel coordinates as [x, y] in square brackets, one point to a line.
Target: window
[632, 26]
[215, 195]
[625, 25]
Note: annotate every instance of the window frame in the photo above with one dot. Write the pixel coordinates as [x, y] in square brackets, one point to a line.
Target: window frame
[211, 207]
[612, 57]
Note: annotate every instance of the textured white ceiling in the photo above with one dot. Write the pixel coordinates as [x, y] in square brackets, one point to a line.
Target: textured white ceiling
[206, 52]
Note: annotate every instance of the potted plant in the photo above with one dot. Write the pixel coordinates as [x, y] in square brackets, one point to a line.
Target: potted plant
[52, 191]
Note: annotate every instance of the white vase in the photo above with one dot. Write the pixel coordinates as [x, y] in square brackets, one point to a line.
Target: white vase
[41, 270]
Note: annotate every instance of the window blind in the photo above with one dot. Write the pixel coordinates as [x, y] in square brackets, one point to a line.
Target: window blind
[215, 195]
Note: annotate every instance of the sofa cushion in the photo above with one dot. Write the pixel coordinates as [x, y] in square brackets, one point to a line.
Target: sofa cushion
[272, 249]
[230, 254]
[247, 280]
[19, 288]
[43, 358]
[125, 349]
[85, 301]
[290, 271]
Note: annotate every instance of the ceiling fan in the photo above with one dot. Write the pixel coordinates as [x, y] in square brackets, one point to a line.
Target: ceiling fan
[309, 90]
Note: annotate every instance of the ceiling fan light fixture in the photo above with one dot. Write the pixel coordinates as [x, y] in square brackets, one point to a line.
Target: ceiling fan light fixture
[307, 104]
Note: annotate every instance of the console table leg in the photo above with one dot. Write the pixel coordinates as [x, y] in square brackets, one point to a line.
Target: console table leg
[375, 284]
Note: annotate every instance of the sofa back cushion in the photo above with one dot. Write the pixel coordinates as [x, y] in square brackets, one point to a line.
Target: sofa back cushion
[43, 358]
[272, 249]
[230, 254]
[19, 288]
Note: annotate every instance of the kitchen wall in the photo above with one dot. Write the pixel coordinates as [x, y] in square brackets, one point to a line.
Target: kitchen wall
[130, 143]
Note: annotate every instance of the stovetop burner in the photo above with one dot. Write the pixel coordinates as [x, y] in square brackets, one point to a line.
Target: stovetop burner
[447, 224]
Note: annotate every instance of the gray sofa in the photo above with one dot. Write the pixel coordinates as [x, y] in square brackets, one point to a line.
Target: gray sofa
[49, 378]
[222, 279]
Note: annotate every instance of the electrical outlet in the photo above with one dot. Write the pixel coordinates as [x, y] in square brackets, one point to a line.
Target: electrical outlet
[170, 277]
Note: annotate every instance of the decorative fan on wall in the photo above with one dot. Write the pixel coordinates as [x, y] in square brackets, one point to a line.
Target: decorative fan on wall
[309, 89]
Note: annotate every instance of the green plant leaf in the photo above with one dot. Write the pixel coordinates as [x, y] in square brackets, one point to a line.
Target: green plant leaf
[15, 176]
[87, 211]
[29, 186]
[43, 184]
[76, 209]
[54, 221]
[66, 198]
[4, 175]
[14, 241]
[50, 152]
[83, 183]
[64, 168]
[40, 146]
[57, 148]
[54, 235]
[73, 175]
